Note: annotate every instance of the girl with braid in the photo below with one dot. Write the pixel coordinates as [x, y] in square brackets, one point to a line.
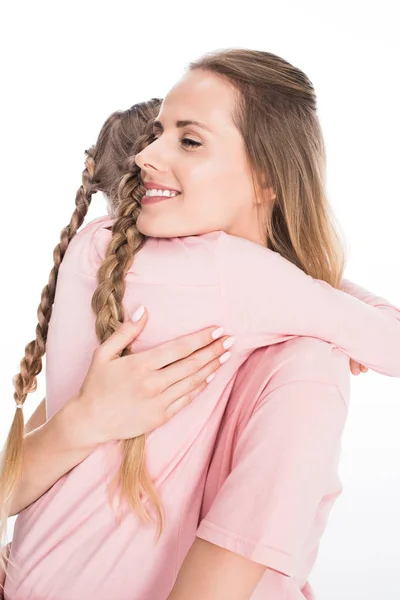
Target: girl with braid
[242, 238]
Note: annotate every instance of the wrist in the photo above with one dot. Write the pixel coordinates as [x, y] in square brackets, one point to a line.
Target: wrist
[75, 425]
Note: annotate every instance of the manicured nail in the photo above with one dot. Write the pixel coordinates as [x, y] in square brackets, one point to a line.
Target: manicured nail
[138, 314]
[228, 343]
[222, 359]
[217, 333]
[210, 377]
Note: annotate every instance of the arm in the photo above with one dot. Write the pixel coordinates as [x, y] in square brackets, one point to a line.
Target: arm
[369, 298]
[268, 300]
[49, 451]
[210, 572]
[51, 448]
[37, 418]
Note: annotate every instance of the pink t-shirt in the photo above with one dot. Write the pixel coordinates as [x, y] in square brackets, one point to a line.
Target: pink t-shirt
[273, 477]
[67, 544]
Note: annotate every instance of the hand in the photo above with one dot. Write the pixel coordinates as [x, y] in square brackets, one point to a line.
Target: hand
[123, 397]
[356, 367]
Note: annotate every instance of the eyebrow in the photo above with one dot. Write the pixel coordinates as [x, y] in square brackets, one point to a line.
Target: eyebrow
[180, 124]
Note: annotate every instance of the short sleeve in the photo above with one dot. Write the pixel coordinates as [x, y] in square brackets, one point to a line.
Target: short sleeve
[283, 462]
[267, 299]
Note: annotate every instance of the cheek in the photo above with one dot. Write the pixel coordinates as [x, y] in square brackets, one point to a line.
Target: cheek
[205, 183]
[232, 183]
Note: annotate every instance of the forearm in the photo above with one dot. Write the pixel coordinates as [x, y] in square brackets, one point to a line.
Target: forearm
[370, 298]
[50, 451]
[37, 418]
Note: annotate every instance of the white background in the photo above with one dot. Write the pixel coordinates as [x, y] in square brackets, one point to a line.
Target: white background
[66, 67]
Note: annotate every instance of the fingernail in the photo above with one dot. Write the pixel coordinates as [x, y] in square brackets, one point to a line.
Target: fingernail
[138, 314]
[228, 343]
[217, 333]
[222, 359]
[210, 377]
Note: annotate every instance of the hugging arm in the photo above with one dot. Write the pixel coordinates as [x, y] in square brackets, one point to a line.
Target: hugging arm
[37, 418]
[50, 449]
[368, 297]
[270, 300]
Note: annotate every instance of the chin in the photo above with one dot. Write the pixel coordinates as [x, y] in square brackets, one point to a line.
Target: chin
[150, 228]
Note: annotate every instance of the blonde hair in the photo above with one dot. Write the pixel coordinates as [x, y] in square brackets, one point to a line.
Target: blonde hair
[276, 114]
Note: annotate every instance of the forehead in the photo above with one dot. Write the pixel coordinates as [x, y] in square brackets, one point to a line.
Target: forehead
[200, 96]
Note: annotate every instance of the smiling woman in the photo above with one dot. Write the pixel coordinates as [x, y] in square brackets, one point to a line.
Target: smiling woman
[206, 160]
[243, 479]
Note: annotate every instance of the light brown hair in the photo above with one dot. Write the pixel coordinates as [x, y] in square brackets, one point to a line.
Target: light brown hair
[276, 113]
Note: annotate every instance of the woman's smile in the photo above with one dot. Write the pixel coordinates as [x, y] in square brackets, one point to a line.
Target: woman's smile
[157, 192]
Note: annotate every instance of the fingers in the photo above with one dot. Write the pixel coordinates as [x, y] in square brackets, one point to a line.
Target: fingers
[188, 387]
[195, 363]
[175, 350]
[175, 407]
[357, 368]
[354, 367]
[123, 336]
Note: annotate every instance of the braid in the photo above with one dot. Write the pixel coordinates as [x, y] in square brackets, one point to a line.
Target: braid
[126, 241]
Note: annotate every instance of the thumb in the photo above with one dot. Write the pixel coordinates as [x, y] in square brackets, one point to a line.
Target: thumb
[126, 333]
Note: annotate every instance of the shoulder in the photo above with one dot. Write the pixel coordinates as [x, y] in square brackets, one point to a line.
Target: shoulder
[308, 360]
[298, 377]
[239, 260]
[233, 245]
[188, 260]
[82, 254]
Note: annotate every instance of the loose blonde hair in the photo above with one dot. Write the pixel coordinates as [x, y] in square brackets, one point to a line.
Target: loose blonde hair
[276, 114]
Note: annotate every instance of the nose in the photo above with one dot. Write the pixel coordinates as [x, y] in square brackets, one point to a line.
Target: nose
[149, 159]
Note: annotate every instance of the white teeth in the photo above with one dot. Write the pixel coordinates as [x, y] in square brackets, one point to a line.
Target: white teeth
[167, 193]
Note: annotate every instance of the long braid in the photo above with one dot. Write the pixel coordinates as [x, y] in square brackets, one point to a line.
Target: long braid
[126, 241]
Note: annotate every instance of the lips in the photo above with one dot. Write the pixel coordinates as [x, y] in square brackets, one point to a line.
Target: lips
[151, 185]
[155, 199]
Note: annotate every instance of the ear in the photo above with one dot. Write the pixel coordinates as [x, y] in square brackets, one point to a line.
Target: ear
[268, 191]
[267, 195]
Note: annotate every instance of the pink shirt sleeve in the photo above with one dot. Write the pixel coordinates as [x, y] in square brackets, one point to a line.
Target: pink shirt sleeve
[369, 298]
[282, 464]
[268, 300]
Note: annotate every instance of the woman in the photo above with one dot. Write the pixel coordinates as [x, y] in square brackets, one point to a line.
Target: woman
[238, 209]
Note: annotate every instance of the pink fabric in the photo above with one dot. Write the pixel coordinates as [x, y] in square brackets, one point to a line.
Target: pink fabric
[273, 478]
[68, 544]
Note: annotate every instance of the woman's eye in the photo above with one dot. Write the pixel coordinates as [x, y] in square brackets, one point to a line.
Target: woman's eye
[189, 143]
